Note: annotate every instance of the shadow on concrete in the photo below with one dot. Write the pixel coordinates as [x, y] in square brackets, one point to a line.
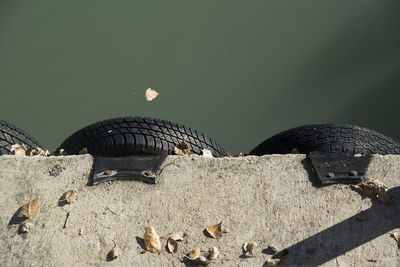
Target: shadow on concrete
[141, 243]
[15, 219]
[346, 235]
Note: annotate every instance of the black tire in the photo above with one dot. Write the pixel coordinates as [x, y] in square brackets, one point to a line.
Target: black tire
[136, 135]
[11, 135]
[328, 138]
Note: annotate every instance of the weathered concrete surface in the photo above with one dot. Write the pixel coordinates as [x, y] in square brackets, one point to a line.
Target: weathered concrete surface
[270, 197]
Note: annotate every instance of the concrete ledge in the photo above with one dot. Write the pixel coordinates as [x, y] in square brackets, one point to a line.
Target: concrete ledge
[270, 197]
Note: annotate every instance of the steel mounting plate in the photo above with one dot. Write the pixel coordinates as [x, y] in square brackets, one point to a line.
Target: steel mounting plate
[334, 168]
[137, 167]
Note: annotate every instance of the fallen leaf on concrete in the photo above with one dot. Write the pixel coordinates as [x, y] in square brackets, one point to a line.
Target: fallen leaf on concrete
[69, 196]
[151, 94]
[195, 257]
[182, 149]
[214, 253]
[200, 260]
[172, 243]
[178, 236]
[19, 150]
[25, 227]
[194, 253]
[152, 240]
[114, 253]
[273, 262]
[207, 153]
[29, 209]
[375, 188]
[271, 250]
[215, 230]
[62, 152]
[396, 236]
[248, 248]
[38, 152]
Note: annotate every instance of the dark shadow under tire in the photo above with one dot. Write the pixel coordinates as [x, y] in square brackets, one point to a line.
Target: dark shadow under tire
[136, 135]
[328, 138]
[11, 135]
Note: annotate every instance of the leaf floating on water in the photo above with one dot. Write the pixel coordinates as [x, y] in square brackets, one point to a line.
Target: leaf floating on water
[151, 94]
[375, 188]
[214, 253]
[25, 227]
[152, 240]
[19, 150]
[114, 253]
[273, 262]
[182, 149]
[215, 230]
[69, 196]
[29, 209]
[396, 235]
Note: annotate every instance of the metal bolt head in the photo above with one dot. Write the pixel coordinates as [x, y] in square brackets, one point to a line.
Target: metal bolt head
[330, 175]
[353, 173]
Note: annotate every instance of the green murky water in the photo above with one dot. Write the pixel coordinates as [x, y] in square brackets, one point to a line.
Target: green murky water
[240, 71]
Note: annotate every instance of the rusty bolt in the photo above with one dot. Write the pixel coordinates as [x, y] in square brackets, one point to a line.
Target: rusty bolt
[330, 175]
[353, 173]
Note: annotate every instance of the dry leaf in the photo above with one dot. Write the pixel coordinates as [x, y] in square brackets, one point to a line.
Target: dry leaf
[271, 250]
[249, 247]
[195, 257]
[114, 253]
[151, 94]
[178, 236]
[19, 150]
[273, 262]
[214, 253]
[29, 209]
[396, 236]
[215, 230]
[69, 196]
[25, 227]
[182, 149]
[374, 188]
[38, 152]
[152, 240]
[172, 243]
[207, 153]
[194, 253]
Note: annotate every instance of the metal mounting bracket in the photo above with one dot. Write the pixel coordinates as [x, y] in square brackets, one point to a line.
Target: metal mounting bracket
[334, 168]
[138, 167]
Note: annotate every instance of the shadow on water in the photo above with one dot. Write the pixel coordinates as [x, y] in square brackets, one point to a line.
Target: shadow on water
[346, 235]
